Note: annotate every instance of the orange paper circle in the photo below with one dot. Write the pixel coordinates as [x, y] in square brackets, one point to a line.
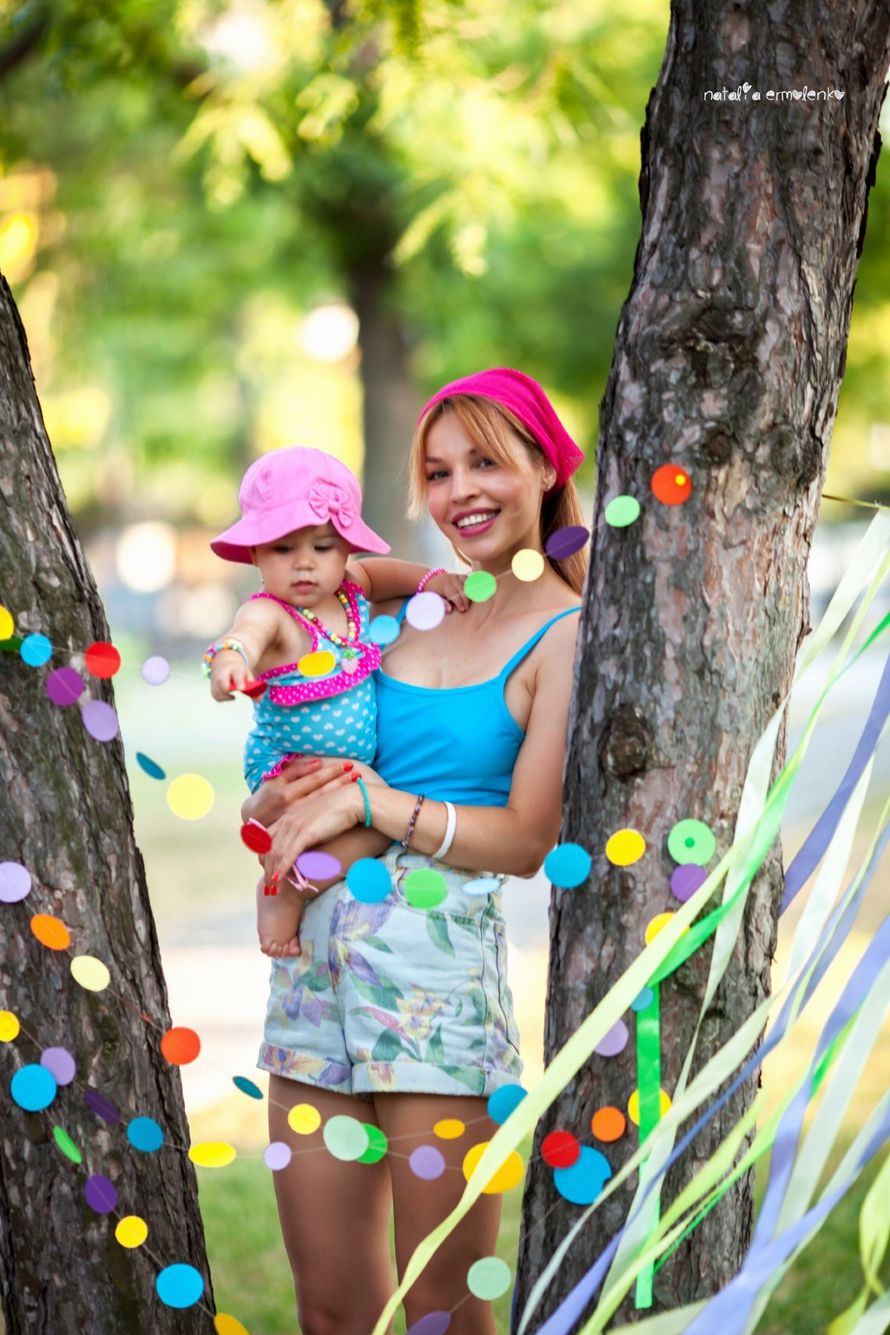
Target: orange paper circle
[50, 932]
[671, 484]
[608, 1124]
[180, 1046]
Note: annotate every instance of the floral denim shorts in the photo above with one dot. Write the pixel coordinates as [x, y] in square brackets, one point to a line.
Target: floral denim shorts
[388, 998]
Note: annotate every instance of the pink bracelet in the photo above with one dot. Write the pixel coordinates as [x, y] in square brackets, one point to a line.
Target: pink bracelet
[439, 570]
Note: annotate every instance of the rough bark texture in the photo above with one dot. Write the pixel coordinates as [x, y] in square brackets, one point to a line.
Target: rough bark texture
[729, 356]
[66, 815]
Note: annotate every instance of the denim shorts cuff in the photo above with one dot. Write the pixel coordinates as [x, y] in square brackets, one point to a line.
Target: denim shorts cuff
[410, 1077]
[296, 1066]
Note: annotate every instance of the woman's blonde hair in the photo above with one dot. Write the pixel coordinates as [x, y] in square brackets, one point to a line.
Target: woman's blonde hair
[492, 429]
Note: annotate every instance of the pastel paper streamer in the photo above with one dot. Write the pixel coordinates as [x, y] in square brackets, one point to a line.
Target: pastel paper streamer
[649, 1086]
[874, 1235]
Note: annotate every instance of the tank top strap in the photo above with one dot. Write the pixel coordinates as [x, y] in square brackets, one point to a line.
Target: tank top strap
[400, 615]
[530, 643]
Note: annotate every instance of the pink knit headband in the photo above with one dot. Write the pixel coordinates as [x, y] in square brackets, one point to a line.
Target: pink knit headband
[527, 401]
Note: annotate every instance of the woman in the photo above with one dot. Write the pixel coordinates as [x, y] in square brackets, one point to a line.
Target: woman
[393, 1014]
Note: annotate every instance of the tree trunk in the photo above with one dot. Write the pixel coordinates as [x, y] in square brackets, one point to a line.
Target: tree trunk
[67, 817]
[729, 356]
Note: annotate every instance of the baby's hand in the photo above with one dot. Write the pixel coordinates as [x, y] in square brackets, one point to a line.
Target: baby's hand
[228, 673]
[451, 588]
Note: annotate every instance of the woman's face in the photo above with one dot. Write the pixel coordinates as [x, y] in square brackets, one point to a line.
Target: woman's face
[487, 510]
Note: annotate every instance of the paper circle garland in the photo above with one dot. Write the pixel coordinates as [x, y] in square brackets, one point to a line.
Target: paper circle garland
[212, 1154]
[224, 1324]
[303, 1118]
[691, 841]
[608, 1124]
[66, 1145]
[432, 1323]
[65, 686]
[614, 1041]
[657, 924]
[686, 879]
[248, 1087]
[60, 1064]
[35, 650]
[505, 1178]
[318, 865]
[560, 1149]
[33, 1088]
[131, 1231]
[101, 1106]
[503, 1101]
[585, 1179]
[100, 720]
[671, 484]
[190, 796]
[15, 882]
[633, 1105]
[479, 586]
[9, 1027]
[102, 659]
[643, 1000]
[449, 1128]
[567, 865]
[345, 1137]
[7, 624]
[100, 1193]
[91, 973]
[489, 1278]
[180, 1045]
[527, 565]
[368, 880]
[155, 670]
[564, 542]
[151, 767]
[625, 847]
[377, 1145]
[425, 610]
[425, 888]
[383, 630]
[145, 1134]
[426, 1162]
[50, 932]
[481, 885]
[622, 511]
[277, 1155]
[179, 1285]
[255, 837]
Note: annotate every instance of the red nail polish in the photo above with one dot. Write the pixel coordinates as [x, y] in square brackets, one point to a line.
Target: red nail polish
[274, 877]
[347, 765]
[354, 778]
[267, 890]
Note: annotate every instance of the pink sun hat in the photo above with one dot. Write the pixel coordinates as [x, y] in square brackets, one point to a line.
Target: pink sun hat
[296, 487]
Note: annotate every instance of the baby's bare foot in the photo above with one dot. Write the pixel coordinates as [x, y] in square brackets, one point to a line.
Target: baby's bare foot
[278, 921]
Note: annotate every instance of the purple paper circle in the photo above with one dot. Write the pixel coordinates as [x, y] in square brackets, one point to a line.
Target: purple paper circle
[686, 880]
[59, 1063]
[64, 686]
[425, 611]
[100, 1194]
[100, 720]
[566, 541]
[614, 1041]
[314, 863]
[101, 1106]
[155, 670]
[15, 882]
[427, 1162]
[277, 1155]
[434, 1323]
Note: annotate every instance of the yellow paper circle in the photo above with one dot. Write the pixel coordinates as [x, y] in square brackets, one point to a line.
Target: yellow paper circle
[508, 1176]
[9, 1026]
[304, 1119]
[90, 973]
[528, 565]
[228, 1325]
[633, 1106]
[625, 847]
[190, 796]
[450, 1128]
[131, 1231]
[212, 1154]
[656, 924]
[7, 625]
[318, 664]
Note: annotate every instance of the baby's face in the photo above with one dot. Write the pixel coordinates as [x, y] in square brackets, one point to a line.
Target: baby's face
[304, 567]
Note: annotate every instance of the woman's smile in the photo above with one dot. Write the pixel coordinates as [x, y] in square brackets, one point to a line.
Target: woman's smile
[470, 522]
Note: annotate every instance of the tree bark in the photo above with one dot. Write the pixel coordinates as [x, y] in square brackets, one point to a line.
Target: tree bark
[67, 817]
[729, 356]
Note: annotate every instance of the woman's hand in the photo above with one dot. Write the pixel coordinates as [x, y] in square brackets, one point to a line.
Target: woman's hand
[312, 822]
[298, 779]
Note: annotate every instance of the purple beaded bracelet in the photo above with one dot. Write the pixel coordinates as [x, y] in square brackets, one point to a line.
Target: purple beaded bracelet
[413, 821]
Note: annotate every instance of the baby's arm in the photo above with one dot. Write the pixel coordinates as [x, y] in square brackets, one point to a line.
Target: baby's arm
[256, 628]
[384, 577]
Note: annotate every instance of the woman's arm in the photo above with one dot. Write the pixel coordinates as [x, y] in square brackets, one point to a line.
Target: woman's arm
[382, 578]
[512, 839]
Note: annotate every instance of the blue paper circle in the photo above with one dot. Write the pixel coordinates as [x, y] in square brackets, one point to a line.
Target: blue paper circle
[643, 1001]
[33, 1088]
[383, 630]
[36, 650]
[151, 767]
[247, 1086]
[567, 865]
[503, 1100]
[368, 880]
[585, 1179]
[481, 885]
[145, 1134]
[179, 1285]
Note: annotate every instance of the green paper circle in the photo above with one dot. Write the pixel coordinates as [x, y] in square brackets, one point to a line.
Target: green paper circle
[480, 586]
[691, 841]
[488, 1278]
[376, 1145]
[621, 511]
[425, 888]
[67, 1145]
[346, 1137]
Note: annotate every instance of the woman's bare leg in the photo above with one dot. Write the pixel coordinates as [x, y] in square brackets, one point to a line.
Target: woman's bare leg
[407, 1121]
[334, 1217]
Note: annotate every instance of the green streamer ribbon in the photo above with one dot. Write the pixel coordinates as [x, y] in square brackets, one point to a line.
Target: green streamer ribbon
[649, 1088]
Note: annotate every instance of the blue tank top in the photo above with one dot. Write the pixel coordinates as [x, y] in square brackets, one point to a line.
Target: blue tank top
[455, 742]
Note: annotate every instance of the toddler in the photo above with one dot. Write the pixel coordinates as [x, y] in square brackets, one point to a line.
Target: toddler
[305, 636]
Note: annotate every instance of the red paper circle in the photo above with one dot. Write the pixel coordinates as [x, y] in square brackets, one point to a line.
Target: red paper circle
[560, 1149]
[180, 1046]
[102, 659]
[671, 484]
[256, 838]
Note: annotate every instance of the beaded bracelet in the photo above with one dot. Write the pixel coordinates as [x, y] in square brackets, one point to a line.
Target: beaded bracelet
[425, 579]
[366, 800]
[216, 648]
[413, 821]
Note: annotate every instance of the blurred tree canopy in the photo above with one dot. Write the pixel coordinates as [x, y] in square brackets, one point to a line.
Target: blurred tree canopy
[185, 181]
